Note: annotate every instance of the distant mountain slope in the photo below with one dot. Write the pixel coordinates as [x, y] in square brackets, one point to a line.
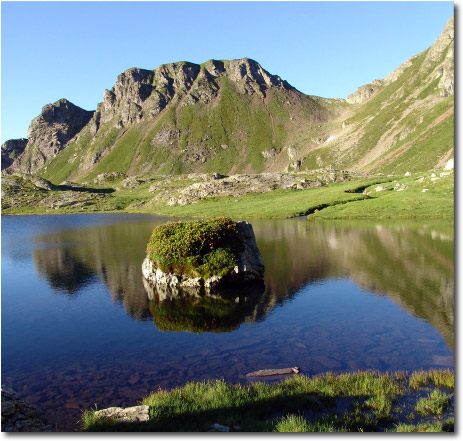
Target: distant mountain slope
[235, 117]
[404, 122]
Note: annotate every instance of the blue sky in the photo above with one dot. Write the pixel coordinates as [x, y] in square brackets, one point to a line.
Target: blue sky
[75, 50]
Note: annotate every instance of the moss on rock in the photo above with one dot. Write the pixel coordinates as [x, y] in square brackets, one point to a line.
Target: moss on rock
[196, 248]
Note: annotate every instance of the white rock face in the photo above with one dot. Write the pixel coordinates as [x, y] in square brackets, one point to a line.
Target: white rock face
[169, 286]
[450, 164]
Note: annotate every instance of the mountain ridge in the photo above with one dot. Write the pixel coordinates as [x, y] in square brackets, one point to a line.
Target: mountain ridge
[233, 116]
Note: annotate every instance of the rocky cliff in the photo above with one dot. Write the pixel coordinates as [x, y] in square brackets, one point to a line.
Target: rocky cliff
[48, 134]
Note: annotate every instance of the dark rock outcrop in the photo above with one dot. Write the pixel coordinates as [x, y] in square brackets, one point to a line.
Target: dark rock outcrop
[19, 416]
[11, 150]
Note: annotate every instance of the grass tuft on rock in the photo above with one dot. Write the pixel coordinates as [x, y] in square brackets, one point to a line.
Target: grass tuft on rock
[196, 248]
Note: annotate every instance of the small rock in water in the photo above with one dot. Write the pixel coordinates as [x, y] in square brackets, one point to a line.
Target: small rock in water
[269, 372]
[219, 428]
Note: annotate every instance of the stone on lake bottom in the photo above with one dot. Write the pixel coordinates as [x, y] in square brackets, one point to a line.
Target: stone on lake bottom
[135, 414]
[269, 372]
[219, 428]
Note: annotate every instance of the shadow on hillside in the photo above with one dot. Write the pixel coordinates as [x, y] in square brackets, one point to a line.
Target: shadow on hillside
[83, 189]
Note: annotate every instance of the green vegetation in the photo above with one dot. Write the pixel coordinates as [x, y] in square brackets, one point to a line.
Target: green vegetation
[436, 201]
[436, 377]
[419, 196]
[197, 406]
[120, 156]
[196, 315]
[434, 404]
[438, 426]
[277, 204]
[196, 248]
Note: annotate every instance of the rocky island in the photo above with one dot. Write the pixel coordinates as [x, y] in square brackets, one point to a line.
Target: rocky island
[203, 257]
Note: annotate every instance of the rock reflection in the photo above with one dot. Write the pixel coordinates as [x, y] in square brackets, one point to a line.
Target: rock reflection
[221, 312]
[411, 263]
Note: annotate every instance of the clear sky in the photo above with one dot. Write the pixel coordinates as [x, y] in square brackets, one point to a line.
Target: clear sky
[75, 50]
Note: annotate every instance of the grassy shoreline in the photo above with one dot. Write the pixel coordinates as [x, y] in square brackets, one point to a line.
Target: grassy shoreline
[363, 401]
[421, 196]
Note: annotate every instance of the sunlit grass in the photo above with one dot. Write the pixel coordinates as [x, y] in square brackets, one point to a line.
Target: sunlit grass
[437, 426]
[434, 404]
[436, 377]
[198, 405]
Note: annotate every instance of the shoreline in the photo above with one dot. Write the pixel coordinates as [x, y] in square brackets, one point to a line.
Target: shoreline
[349, 402]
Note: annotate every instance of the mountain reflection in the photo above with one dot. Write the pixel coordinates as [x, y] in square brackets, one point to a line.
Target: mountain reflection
[62, 270]
[411, 263]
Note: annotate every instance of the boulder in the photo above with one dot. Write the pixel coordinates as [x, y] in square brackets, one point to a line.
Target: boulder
[250, 269]
[135, 414]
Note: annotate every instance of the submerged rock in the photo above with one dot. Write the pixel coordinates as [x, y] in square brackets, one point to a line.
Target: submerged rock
[20, 416]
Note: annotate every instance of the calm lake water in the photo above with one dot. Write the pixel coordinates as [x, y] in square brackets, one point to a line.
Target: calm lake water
[79, 329]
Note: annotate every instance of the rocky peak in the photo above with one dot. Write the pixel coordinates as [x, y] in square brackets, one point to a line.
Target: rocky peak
[443, 45]
[364, 92]
[11, 149]
[49, 132]
[140, 93]
[61, 120]
[251, 77]
[215, 67]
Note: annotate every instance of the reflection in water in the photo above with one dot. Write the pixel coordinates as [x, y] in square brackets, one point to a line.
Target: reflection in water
[222, 312]
[65, 355]
[411, 263]
[63, 271]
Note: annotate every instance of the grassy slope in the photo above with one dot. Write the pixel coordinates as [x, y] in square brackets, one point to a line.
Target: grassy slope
[392, 107]
[437, 202]
[275, 204]
[374, 404]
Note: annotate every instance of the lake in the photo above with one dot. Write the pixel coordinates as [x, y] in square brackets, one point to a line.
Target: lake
[79, 327]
